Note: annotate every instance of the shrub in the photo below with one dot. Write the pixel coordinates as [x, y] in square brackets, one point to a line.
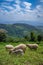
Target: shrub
[3, 35]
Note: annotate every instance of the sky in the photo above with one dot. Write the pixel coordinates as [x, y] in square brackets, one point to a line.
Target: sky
[27, 11]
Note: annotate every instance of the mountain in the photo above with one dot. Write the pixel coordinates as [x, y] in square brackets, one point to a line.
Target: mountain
[19, 29]
[40, 28]
[34, 23]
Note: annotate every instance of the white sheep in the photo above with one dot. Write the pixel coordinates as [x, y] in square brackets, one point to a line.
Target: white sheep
[20, 46]
[32, 46]
[8, 47]
[18, 51]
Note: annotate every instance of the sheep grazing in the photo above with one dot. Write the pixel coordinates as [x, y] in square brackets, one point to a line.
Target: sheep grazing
[20, 46]
[32, 46]
[8, 47]
[18, 51]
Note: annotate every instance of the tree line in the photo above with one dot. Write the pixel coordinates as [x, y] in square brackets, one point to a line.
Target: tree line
[33, 37]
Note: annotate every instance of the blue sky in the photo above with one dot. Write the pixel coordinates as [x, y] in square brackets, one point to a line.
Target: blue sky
[29, 11]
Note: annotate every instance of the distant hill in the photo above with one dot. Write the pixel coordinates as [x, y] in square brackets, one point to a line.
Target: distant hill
[40, 27]
[19, 29]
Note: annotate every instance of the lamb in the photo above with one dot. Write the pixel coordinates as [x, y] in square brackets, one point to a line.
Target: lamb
[20, 46]
[32, 46]
[8, 47]
[18, 51]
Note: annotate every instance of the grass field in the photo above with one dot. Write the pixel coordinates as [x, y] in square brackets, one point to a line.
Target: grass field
[31, 57]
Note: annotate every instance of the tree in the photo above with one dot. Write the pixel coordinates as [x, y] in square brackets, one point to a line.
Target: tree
[26, 38]
[3, 35]
[39, 37]
[32, 36]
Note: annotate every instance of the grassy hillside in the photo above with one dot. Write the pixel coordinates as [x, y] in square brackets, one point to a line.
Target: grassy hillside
[30, 57]
[18, 29]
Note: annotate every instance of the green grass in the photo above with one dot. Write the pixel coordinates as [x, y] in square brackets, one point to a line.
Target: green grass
[30, 57]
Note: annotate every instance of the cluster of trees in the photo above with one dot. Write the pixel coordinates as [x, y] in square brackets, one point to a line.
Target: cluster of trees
[33, 37]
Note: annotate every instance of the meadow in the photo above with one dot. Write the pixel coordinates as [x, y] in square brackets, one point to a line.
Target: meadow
[31, 57]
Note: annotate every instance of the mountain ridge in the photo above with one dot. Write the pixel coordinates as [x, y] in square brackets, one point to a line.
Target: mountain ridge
[19, 29]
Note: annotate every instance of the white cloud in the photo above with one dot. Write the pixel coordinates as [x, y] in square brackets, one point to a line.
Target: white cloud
[41, 0]
[9, 0]
[17, 1]
[39, 7]
[18, 8]
[27, 5]
[17, 14]
[9, 7]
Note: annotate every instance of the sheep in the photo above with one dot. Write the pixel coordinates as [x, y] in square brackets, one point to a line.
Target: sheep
[18, 51]
[20, 46]
[8, 47]
[32, 46]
